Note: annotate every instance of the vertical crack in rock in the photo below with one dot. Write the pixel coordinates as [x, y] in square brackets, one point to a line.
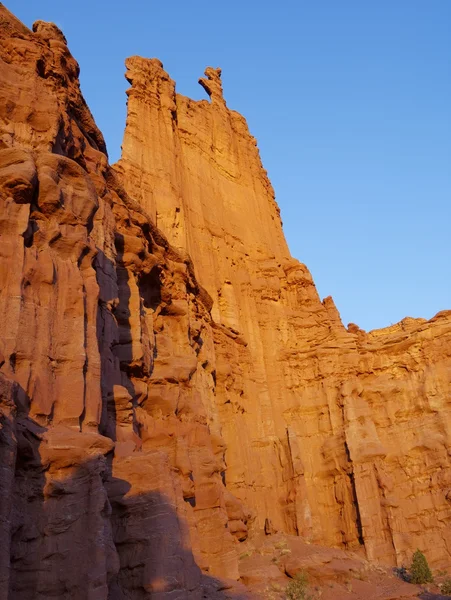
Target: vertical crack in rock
[355, 500]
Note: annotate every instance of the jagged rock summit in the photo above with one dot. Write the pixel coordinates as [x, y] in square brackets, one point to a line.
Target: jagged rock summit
[171, 385]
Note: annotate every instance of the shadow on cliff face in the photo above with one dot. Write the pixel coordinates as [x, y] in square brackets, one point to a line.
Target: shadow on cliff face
[152, 541]
[155, 561]
[56, 538]
[116, 345]
[78, 533]
[113, 315]
[21, 492]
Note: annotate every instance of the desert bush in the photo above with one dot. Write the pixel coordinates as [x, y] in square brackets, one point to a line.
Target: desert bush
[419, 569]
[297, 589]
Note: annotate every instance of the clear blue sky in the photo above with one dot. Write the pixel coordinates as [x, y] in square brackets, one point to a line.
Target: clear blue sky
[350, 101]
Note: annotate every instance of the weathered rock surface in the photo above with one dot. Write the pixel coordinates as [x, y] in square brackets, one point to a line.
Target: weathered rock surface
[339, 436]
[111, 449]
[169, 379]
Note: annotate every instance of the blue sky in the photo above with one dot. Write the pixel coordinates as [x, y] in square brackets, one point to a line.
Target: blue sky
[350, 101]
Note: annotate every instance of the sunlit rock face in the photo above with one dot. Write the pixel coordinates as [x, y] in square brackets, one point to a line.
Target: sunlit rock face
[170, 381]
[333, 434]
[111, 447]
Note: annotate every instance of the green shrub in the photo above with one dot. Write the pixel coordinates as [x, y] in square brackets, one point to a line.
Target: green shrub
[297, 589]
[419, 569]
[445, 588]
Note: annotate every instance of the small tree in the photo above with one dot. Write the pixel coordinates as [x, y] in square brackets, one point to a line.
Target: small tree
[297, 589]
[419, 569]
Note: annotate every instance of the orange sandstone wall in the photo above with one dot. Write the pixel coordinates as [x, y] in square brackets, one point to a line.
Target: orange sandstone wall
[337, 435]
[169, 378]
[111, 454]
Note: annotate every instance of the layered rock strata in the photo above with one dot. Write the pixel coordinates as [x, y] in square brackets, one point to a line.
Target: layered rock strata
[333, 434]
[169, 379]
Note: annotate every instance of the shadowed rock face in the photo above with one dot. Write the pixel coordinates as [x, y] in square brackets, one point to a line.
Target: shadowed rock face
[169, 378]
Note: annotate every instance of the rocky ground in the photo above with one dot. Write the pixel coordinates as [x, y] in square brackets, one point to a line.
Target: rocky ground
[268, 564]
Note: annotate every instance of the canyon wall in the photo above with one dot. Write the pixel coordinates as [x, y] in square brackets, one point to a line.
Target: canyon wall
[112, 456]
[170, 381]
[333, 434]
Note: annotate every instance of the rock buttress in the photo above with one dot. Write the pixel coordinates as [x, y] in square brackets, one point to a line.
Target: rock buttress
[336, 435]
[111, 452]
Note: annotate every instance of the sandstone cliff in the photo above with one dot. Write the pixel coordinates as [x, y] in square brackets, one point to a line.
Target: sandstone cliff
[336, 435]
[106, 342]
[169, 379]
